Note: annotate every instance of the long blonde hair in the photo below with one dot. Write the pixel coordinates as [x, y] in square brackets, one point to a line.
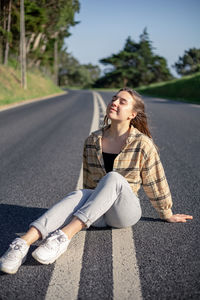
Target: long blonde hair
[140, 121]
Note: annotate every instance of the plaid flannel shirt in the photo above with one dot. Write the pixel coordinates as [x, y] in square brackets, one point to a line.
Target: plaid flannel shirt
[138, 162]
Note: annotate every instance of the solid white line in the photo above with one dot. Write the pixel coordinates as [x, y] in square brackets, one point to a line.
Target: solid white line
[102, 103]
[95, 121]
[126, 281]
[64, 283]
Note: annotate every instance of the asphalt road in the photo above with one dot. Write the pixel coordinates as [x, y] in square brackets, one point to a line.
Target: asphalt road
[40, 160]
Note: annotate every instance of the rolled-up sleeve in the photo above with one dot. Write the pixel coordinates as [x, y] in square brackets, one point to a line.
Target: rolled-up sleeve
[155, 184]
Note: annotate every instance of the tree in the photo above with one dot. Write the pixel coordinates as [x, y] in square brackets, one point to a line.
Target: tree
[189, 63]
[72, 73]
[5, 35]
[135, 65]
[47, 25]
[8, 33]
[22, 46]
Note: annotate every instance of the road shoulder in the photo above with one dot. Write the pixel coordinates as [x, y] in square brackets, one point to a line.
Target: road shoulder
[24, 102]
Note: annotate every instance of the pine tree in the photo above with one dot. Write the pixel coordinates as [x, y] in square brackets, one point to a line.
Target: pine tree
[189, 63]
[135, 65]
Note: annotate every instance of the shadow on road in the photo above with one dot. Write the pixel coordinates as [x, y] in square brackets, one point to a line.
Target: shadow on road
[15, 220]
[148, 219]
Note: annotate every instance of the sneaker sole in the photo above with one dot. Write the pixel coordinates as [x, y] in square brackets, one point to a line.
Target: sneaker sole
[12, 271]
[46, 262]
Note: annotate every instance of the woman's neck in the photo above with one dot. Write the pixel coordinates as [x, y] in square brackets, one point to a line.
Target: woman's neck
[118, 131]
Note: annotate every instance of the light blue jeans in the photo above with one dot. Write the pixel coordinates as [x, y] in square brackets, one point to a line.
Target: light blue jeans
[111, 203]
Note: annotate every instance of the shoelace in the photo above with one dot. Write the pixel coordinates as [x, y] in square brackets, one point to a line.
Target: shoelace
[18, 250]
[54, 240]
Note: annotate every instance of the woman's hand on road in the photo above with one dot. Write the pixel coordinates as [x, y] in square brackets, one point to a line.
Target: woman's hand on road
[179, 218]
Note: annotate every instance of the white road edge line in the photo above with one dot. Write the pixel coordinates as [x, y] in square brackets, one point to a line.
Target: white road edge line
[64, 283]
[25, 102]
[195, 105]
[126, 281]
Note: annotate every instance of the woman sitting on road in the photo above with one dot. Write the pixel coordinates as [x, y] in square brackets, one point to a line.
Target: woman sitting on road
[117, 159]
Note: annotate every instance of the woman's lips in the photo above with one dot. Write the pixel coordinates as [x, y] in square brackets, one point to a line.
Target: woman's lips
[112, 109]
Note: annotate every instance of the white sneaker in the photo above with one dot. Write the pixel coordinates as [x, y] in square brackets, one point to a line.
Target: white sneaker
[14, 256]
[55, 245]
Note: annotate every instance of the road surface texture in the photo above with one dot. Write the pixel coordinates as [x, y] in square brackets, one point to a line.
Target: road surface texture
[40, 162]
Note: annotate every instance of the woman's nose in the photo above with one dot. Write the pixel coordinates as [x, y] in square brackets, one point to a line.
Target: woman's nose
[114, 102]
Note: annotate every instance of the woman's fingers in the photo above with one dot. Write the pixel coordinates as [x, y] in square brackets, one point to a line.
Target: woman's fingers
[179, 218]
[189, 217]
[185, 216]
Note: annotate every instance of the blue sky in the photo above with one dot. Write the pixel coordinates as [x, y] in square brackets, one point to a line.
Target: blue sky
[173, 27]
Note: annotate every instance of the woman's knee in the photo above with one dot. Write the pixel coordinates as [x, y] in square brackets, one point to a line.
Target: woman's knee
[122, 224]
[119, 219]
[113, 175]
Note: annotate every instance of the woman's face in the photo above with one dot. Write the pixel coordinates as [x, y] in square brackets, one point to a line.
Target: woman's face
[120, 108]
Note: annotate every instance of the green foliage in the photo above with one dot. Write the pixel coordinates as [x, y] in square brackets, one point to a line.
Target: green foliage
[183, 89]
[35, 16]
[135, 65]
[72, 73]
[45, 22]
[189, 63]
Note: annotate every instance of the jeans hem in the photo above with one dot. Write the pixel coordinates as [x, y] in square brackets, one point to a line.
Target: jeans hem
[41, 229]
[83, 218]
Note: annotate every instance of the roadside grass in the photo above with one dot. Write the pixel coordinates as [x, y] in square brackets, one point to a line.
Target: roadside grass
[11, 90]
[185, 89]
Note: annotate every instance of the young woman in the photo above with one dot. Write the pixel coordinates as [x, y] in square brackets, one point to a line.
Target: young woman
[117, 160]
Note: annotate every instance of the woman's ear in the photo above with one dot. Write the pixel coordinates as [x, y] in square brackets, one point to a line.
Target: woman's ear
[134, 114]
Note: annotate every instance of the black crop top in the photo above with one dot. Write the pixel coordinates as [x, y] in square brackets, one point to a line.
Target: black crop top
[108, 160]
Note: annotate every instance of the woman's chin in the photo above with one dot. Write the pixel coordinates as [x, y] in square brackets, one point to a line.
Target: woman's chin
[112, 116]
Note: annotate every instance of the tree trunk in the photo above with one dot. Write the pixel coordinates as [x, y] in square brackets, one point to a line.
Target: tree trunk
[43, 47]
[56, 61]
[3, 19]
[38, 62]
[37, 41]
[22, 46]
[125, 81]
[28, 46]
[8, 30]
